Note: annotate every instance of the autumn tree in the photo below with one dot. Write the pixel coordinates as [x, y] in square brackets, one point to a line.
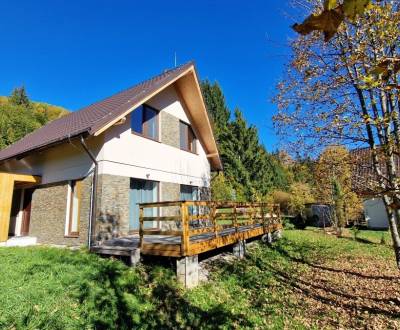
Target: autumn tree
[20, 116]
[333, 185]
[346, 91]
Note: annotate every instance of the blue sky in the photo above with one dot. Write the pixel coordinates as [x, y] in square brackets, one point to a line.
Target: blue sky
[72, 53]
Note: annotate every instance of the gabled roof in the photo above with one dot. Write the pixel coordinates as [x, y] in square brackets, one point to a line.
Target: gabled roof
[97, 117]
[365, 181]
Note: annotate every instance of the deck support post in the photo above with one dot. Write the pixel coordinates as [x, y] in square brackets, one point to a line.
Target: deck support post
[135, 257]
[239, 249]
[187, 271]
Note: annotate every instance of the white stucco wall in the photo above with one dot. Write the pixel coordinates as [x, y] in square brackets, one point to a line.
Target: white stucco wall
[122, 153]
[64, 162]
[375, 213]
[134, 156]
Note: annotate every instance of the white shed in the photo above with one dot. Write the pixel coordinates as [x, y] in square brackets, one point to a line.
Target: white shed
[375, 213]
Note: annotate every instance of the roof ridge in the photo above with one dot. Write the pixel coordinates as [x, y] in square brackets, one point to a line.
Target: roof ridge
[89, 118]
[164, 73]
[137, 85]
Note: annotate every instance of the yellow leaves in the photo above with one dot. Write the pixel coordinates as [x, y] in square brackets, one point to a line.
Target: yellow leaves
[380, 74]
[353, 8]
[330, 19]
[383, 68]
[328, 22]
[330, 4]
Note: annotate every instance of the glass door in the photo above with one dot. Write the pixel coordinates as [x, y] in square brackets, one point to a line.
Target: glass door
[142, 191]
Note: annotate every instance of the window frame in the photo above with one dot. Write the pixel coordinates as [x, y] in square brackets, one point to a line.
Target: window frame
[191, 143]
[74, 190]
[144, 133]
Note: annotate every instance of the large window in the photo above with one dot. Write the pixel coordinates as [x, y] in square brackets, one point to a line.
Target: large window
[144, 121]
[187, 137]
[142, 191]
[73, 208]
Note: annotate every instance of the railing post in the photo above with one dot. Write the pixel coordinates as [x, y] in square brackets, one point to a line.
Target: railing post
[278, 213]
[214, 221]
[235, 222]
[185, 239]
[263, 217]
[141, 226]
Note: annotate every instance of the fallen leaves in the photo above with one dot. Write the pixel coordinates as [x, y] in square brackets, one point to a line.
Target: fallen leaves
[351, 292]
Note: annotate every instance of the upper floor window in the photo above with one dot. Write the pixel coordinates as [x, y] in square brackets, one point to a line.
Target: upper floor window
[187, 137]
[144, 121]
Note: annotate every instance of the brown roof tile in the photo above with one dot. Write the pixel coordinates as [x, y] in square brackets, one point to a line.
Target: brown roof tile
[91, 118]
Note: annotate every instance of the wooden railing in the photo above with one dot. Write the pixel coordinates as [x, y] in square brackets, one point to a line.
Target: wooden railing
[193, 227]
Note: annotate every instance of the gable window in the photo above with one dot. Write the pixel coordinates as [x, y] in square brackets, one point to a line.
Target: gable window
[144, 121]
[73, 208]
[187, 137]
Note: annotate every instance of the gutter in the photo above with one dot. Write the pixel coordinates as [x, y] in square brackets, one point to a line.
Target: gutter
[93, 195]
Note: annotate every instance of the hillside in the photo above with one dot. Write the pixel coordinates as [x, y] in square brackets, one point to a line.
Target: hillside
[308, 280]
[20, 116]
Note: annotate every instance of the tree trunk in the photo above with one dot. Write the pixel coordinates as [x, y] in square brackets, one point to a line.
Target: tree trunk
[393, 217]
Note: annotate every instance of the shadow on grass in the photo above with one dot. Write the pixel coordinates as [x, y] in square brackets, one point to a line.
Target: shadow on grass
[306, 249]
[359, 240]
[337, 298]
[326, 292]
[147, 297]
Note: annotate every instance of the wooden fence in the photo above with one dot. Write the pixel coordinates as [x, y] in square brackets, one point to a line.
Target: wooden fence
[185, 228]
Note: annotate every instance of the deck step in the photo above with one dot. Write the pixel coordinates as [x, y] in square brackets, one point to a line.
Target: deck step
[115, 250]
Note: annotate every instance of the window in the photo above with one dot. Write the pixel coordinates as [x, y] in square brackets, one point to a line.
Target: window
[190, 193]
[142, 191]
[73, 208]
[144, 121]
[187, 137]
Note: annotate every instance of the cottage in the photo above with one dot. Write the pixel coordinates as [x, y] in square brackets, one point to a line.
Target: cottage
[127, 175]
[152, 142]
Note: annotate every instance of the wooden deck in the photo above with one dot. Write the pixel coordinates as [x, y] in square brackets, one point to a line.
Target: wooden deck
[187, 228]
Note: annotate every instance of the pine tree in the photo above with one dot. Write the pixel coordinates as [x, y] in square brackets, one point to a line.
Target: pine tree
[216, 106]
[20, 97]
[249, 169]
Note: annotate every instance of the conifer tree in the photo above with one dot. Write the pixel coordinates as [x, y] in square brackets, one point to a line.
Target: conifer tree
[20, 97]
[249, 169]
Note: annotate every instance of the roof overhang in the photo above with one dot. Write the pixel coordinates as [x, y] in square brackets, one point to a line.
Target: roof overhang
[188, 87]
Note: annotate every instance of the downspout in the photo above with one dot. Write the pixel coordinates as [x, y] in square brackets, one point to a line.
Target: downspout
[93, 197]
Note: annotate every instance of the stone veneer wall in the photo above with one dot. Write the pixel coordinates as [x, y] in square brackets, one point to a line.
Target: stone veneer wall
[170, 129]
[170, 192]
[48, 212]
[112, 207]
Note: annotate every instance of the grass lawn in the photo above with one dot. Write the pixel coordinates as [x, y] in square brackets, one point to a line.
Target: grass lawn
[308, 280]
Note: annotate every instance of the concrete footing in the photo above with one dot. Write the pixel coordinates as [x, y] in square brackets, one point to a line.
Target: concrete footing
[187, 271]
[276, 235]
[269, 238]
[20, 241]
[135, 257]
[239, 249]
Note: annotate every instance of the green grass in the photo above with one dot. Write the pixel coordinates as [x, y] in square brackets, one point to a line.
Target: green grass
[50, 288]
